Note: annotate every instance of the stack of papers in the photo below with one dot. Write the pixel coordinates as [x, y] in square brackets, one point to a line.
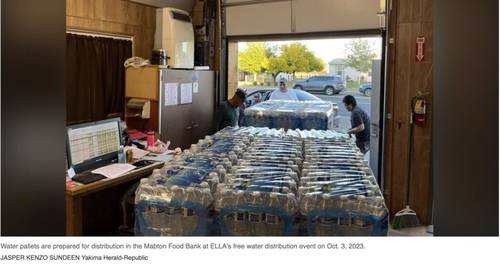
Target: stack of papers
[159, 157]
[137, 153]
[114, 170]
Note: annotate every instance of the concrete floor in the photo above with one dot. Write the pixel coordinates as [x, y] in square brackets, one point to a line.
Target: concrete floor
[413, 231]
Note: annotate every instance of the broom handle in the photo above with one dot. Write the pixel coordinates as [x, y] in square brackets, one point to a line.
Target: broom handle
[410, 153]
[410, 164]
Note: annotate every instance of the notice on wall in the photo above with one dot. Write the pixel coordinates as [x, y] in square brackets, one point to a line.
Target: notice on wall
[195, 87]
[186, 93]
[171, 92]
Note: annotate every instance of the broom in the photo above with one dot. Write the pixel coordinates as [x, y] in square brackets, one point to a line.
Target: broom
[407, 217]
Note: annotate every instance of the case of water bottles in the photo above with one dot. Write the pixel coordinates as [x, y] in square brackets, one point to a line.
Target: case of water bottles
[258, 196]
[338, 193]
[290, 115]
[177, 199]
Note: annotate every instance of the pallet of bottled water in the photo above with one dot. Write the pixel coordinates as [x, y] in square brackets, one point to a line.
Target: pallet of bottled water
[259, 181]
[258, 196]
[290, 115]
[177, 199]
[338, 193]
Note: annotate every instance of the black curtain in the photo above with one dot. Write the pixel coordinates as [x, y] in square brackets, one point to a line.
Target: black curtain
[95, 77]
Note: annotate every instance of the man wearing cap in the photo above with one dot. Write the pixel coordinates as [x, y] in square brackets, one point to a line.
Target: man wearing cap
[228, 111]
[283, 93]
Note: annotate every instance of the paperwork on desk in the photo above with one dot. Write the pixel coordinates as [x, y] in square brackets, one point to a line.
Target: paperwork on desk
[162, 157]
[114, 170]
[137, 153]
[159, 158]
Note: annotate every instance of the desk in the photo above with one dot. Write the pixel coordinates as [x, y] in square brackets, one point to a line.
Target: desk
[74, 195]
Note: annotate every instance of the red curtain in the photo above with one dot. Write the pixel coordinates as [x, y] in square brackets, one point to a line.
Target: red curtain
[95, 77]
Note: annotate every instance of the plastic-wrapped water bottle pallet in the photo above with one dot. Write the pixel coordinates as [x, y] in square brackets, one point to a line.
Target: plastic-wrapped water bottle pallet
[251, 132]
[278, 182]
[332, 217]
[177, 200]
[164, 208]
[348, 210]
[338, 193]
[342, 222]
[174, 218]
[290, 115]
[255, 220]
[255, 213]
[258, 197]
[250, 178]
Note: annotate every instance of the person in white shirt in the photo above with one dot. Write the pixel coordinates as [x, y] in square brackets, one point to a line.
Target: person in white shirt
[283, 93]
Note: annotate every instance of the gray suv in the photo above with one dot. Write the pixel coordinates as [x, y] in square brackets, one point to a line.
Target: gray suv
[328, 84]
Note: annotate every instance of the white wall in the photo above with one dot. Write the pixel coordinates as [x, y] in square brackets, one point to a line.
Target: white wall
[348, 71]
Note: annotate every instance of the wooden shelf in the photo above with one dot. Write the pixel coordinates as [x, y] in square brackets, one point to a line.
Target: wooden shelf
[142, 82]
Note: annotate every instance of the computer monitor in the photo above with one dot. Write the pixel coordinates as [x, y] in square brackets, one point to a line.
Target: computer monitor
[92, 145]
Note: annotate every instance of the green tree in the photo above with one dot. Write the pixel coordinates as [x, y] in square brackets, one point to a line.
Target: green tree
[359, 55]
[271, 51]
[294, 58]
[315, 63]
[277, 65]
[254, 59]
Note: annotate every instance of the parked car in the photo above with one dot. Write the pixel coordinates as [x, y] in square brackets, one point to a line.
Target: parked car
[306, 96]
[328, 84]
[366, 89]
[265, 94]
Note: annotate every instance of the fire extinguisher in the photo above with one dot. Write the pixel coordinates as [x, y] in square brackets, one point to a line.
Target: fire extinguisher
[419, 107]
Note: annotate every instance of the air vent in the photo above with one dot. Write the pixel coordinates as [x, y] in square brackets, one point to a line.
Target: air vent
[180, 16]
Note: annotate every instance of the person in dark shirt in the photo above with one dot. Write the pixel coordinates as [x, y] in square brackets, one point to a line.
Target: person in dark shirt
[241, 116]
[228, 111]
[360, 124]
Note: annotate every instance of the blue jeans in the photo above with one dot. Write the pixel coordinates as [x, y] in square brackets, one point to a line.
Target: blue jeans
[363, 145]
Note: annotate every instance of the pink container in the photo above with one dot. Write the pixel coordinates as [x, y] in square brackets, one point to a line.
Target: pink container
[151, 138]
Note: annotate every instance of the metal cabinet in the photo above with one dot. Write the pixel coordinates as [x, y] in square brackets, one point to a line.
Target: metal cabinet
[181, 124]
[184, 124]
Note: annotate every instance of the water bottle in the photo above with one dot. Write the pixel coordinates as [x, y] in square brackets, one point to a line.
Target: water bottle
[122, 158]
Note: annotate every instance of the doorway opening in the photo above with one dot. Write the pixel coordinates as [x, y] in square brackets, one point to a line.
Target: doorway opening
[316, 66]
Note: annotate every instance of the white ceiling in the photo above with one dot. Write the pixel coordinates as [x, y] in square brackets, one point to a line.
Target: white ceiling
[186, 5]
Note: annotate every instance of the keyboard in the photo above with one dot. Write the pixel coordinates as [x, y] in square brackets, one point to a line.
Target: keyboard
[87, 178]
[143, 163]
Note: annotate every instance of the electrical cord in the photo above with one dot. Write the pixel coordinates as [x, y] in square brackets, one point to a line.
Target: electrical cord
[136, 62]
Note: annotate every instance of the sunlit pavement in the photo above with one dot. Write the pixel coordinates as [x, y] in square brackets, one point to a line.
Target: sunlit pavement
[363, 101]
[345, 117]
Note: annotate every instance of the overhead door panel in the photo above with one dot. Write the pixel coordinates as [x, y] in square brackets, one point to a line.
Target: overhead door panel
[262, 18]
[253, 17]
[336, 15]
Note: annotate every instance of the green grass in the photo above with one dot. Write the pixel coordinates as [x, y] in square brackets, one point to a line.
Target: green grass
[353, 85]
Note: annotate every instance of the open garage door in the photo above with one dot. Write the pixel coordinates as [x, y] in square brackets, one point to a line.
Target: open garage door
[264, 17]
[292, 20]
